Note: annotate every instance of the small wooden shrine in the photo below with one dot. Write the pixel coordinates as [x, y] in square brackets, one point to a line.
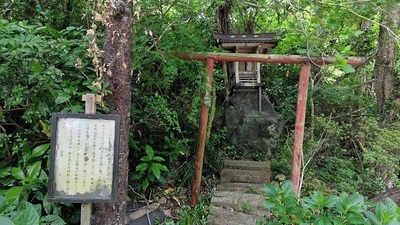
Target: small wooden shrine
[246, 75]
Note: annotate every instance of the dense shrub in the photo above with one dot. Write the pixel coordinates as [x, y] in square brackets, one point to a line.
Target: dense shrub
[321, 209]
[38, 76]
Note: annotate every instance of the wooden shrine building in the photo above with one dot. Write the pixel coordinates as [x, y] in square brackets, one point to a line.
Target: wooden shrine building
[243, 76]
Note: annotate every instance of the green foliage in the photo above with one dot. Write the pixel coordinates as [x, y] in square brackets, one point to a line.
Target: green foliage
[341, 137]
[282, 85]
[150, 168]
[17, 212]
[366, 155]
[244, 207]
[380, 155]
[37, 72]
[197, 215]
[318, 208]
[39, 75]
[23, 196]
[168, 91]
[58, 13]
[42, 44]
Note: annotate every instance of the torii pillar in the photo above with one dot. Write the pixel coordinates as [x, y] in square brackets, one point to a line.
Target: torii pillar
[202, 135]
[305, 69]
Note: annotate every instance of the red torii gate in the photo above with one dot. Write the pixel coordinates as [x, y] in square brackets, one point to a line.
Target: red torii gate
[305, 65]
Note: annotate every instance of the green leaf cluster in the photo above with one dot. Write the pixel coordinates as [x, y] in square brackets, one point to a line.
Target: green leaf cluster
[193, 215]
[318, 208]
[59, 13]
[150, 168]
[23, 198]
[167, 94]
[38, 76]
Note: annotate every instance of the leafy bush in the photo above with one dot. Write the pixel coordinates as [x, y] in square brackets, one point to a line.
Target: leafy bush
[13, 211]
[319, 209]
[150, 168]
[39, 75]
[59, 13]
[380, 148]
[23, 199]
[197, 215]
[167, 94]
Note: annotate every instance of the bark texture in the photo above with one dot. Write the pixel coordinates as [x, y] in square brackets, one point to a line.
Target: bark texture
[224, 27]
[118, 61]
[223, 14]
[384, 61]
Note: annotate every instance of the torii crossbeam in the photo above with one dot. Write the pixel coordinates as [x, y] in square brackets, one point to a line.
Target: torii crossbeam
[305, 66]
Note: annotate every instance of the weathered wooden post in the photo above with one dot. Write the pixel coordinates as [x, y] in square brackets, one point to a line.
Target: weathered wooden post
[90, 108]
[84, 157]
[202, 133]
[299, 126]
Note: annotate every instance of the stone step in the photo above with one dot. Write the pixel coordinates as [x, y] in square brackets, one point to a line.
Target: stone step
[247, 165]
[239, 199]
[245, 176]
[228, 216]
[240, 202]
[242, 187]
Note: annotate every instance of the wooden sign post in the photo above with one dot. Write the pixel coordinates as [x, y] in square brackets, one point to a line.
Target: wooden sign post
[90, 108]
[84, 157]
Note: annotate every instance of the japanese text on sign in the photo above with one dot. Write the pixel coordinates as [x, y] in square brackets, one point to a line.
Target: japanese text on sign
[84, 155]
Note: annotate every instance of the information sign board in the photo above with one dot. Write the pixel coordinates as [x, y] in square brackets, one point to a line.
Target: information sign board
[84, 158]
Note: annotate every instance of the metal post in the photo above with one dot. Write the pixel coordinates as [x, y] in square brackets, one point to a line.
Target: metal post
[299, 127]
[202, 133]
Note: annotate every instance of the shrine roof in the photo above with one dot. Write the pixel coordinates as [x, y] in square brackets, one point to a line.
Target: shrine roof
[249, 41]
[246, 38]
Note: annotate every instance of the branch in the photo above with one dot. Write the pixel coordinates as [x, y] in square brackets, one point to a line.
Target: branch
[159, 38]
[303, 170]
[169, 8]
[252, 4]
[13, 124]
[14, 109]
[355, 2]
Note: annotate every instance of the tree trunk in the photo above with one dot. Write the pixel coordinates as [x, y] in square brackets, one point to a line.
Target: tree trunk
[118, 61]
[224, 26]
[223, 14]
[385, 59]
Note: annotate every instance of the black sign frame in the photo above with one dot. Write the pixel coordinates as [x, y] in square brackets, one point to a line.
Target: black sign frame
[97, 196]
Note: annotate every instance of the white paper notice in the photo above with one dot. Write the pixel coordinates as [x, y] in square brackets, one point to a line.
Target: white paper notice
[84, 157]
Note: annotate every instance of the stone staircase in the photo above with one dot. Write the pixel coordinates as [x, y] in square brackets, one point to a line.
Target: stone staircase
[238, 199]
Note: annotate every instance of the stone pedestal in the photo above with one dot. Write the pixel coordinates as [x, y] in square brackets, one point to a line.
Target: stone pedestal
[253, 134]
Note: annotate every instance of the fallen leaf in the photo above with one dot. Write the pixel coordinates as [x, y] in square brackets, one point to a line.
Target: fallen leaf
[168, 191]
[177, 200]
[98, 17]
